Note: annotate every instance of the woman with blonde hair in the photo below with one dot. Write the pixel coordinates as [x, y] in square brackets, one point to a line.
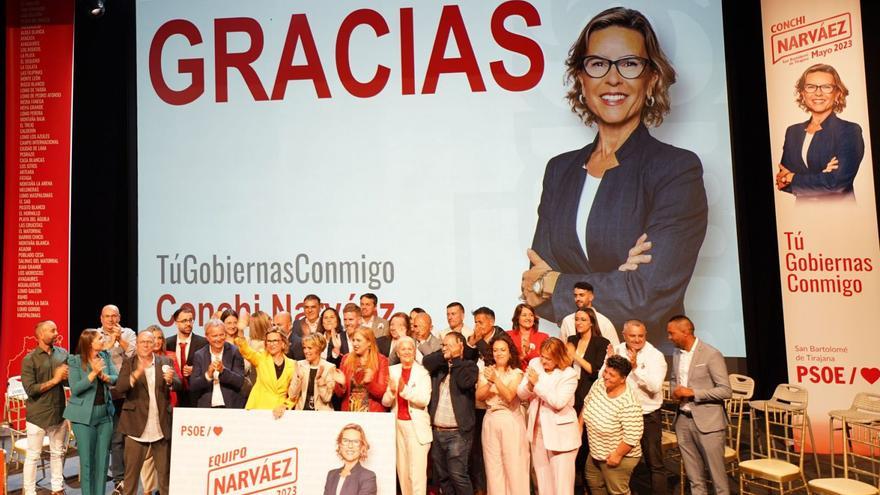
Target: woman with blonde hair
[363, 375]
[312, 386]
[552, 425]
[274, 372]
[352, 478]
[408, 394]
[821, 157]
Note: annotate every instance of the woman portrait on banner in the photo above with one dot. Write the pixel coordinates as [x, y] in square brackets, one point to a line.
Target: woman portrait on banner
[312, 386]
[821, 157]
[90, 409]
[352, 478]
[626, 213]
[408, 394]
[363, 375]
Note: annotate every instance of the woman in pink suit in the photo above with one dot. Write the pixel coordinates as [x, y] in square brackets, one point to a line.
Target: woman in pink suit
[553, 427]
[505, 447]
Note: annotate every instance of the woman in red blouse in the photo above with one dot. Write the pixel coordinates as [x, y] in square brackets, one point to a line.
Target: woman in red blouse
[525, 334]
[363, 375]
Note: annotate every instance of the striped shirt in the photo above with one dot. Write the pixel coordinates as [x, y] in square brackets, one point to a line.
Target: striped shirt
[610, 421]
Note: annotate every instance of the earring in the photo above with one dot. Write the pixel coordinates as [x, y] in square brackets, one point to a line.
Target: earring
[649, 101]
[581, 98]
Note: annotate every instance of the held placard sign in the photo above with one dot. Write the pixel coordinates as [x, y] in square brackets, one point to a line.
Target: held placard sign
[237, 452]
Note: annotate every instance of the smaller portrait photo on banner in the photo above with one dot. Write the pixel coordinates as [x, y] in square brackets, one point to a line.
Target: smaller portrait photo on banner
[236, 451]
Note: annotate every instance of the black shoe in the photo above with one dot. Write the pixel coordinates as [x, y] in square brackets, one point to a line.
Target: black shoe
[118, 488]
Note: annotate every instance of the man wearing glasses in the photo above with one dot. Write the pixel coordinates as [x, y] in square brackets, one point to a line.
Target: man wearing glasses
[184, 345]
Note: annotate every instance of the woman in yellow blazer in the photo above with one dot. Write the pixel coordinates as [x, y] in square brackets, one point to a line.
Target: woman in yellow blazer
[274, 372]
[90, 409]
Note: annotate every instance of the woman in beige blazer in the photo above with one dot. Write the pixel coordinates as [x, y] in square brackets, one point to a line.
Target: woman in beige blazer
[408, 394]
[312, 386]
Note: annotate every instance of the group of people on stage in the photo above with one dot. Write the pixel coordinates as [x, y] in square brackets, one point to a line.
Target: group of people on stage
[488, 407]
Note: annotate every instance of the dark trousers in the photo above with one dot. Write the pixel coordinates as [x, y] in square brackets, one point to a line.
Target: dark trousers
[117, 446]
[478, 470]
[136, 452]
[652, 455]
[450, 452]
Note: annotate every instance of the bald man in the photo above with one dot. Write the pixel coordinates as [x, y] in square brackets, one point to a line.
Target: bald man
[43, 375]
[699, 384]
[120, 342]
[426, 341]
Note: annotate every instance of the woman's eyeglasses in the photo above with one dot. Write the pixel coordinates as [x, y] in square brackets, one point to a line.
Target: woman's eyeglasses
[824, 88]
[627, 67]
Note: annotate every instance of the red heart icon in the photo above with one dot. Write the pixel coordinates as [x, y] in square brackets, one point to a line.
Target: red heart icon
[871, 374]
[219, 429]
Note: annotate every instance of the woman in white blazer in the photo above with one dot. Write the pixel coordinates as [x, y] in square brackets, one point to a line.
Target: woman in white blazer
[312, 386]
[408, 394]
[552, 424]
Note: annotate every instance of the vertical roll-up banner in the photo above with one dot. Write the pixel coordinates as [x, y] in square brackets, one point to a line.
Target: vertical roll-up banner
[36, 240]
[825, 200]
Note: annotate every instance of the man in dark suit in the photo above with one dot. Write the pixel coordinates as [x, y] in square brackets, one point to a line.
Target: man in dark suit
[185, 344]
[700, 383]
[452, 413]
[146, 381]
[218, 371]
[309, 323]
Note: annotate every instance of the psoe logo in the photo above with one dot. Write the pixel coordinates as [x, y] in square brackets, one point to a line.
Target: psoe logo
[810, 36]
[275, 471]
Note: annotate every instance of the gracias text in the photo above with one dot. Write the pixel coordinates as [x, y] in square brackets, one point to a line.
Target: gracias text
[451, 26]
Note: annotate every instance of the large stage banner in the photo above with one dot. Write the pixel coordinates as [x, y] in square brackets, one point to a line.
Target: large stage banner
[237, 452]
[340, 148]
[825, 200]
[36, 224]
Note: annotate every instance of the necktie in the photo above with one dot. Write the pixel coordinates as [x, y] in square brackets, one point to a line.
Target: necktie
[182, 354]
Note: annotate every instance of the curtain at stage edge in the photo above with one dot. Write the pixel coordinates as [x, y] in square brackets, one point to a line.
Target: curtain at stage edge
[36, 240]
[825, 201]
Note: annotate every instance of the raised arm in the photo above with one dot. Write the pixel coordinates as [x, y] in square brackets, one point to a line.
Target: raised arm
[247, 351]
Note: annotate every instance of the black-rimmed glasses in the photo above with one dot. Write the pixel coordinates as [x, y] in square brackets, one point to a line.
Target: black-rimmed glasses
[627, 67]
[824, 88]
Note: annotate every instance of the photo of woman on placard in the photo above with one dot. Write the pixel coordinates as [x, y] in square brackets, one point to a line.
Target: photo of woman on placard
[352, 478]
[626, 213]
[821, 157]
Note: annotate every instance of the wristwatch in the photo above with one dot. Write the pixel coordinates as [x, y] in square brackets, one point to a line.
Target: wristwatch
[538, 286]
